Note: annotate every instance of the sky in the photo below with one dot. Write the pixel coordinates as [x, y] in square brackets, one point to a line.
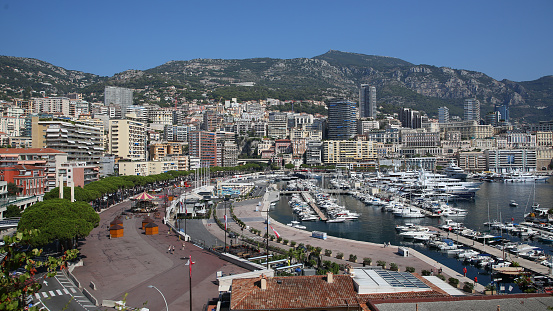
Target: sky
[504, 39]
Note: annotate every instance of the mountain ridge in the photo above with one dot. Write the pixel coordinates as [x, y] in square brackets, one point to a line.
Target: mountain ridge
[332, 74]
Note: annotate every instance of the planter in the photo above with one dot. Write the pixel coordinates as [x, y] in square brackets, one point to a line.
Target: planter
[490, 292]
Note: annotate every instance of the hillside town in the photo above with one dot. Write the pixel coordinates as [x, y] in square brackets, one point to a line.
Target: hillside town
[200, 154]
[117, 137]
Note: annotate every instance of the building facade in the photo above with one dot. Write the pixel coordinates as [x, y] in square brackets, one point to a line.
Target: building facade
[342, 120]
[118, 96]
[367, 101]
[127, 139]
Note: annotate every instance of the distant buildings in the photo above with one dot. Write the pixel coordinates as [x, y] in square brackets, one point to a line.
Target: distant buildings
[342, 118]
[367, 101]
[443, 115]
[472, 109]
[410, 118]
[119, 96]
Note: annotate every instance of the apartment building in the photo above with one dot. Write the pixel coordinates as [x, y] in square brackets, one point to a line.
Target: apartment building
[81, 142]
[348, 151]
[146, 168]
[127, 139]
[472, 161]
[469, 129]
[508, 160]
[31, 180]
[47, 158]
[203, 145]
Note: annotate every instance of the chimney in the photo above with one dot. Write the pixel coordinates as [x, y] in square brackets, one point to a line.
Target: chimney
[330, 277]
[263, 283]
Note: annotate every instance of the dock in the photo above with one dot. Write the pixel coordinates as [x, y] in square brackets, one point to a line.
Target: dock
[525, 263]
[307, 198]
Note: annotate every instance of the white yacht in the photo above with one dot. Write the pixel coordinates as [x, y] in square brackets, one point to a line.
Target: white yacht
[453, 171]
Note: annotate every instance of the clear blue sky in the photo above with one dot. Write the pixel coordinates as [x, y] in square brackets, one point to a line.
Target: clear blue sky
[504, 39]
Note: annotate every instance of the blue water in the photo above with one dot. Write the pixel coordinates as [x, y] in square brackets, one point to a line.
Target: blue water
[379, 227]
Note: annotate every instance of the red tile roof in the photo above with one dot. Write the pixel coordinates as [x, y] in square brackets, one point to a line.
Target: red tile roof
[307, 292]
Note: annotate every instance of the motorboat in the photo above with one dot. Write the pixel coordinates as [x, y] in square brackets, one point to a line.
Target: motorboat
[513, 203]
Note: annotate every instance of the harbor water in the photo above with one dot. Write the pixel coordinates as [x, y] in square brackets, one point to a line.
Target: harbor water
[491, 203]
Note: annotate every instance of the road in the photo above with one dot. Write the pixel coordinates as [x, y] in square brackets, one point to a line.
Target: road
[59, 293]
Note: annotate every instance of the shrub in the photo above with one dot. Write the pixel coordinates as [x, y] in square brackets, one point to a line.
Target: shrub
[515, 264]
[425, 273]
[441, 277]
[279, 239]
[367, 261]
[381, 263]
[340, 255]
[352, 257]
[453, 282]
[293, 243]
[409, 269]
[328, 252]
[394, 267]
[285, 242]
[468, 287]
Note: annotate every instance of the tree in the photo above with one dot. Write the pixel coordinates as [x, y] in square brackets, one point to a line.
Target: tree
[289, 166]
[12, 211]
[13, 190]
[15, 287]
[59, 220]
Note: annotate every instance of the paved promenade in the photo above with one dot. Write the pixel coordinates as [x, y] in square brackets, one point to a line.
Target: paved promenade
[246, 211]
[130, 263]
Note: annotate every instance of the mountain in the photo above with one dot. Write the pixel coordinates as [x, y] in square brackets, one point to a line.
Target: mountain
[333, 74]
[22, 73]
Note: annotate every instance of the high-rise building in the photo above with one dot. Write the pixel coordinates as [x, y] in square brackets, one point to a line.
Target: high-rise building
[443, 114]
[503, 112]
[410, 118]
[472, 109]
[203, 145]
[367, 101]
[118, 96]
[127, 139]
[342, 120]
[277, 127]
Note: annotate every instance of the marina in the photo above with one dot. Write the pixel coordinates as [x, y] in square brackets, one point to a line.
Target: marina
[374, 225]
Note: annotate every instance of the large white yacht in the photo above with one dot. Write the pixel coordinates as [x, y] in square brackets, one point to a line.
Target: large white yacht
[453, 171]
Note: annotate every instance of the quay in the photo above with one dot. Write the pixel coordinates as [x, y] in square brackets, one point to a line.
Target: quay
[307, 198]
[330, 191]
[525, 263]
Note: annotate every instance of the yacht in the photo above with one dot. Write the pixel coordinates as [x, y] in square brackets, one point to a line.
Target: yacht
[513, 203]
[453, 171]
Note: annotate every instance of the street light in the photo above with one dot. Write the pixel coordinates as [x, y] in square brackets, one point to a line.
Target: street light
[166, 306]
[189, 263]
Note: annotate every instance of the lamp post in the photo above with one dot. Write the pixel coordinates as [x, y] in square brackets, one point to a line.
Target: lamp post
[226, 232]
[166, 306]
[267, 235]
[190, 263]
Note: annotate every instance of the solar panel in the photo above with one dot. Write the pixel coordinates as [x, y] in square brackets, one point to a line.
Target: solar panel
[401, 279]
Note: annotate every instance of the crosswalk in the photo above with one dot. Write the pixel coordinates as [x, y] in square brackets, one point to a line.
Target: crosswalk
[53, 293]
[68, 288]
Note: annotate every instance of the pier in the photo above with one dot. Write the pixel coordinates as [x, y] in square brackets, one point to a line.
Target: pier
[307, 198]
[331, 191]
[525, 263]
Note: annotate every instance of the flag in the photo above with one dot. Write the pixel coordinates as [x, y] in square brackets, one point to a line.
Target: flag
[180, 209]
[190, 263]
[276, 233]
[225, 222]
